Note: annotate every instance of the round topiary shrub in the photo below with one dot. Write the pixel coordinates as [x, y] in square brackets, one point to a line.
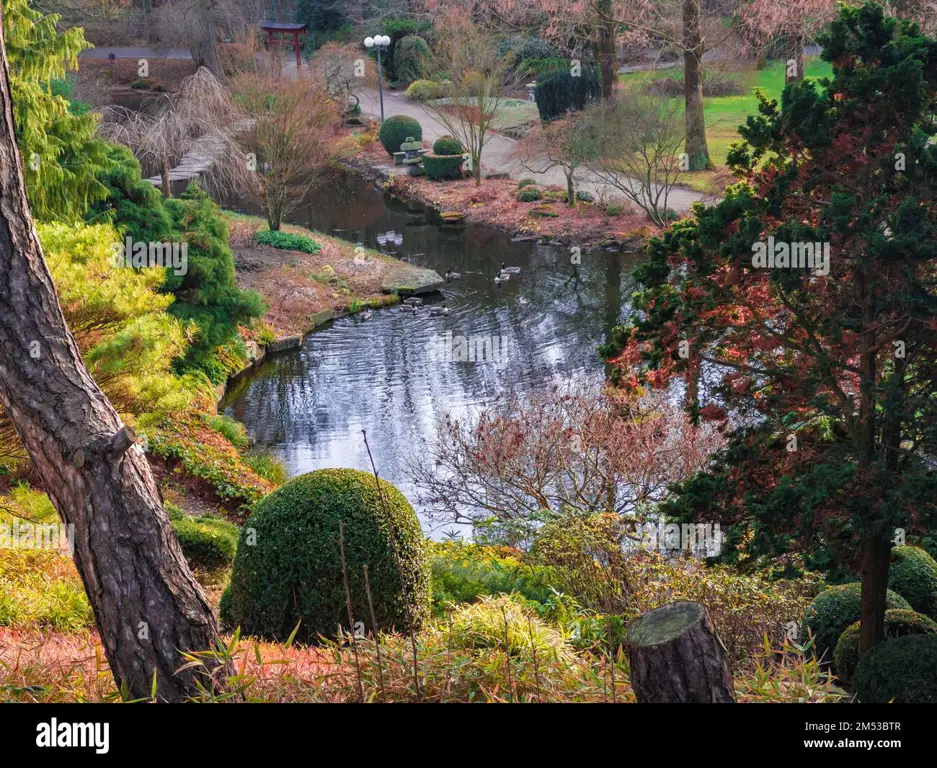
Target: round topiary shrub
[902, 669]
[395, 130]
[442, 167]
[833, 610]
[447, 145]
[585, 197]
[913, 575]
[898, 623]
[207, 542]
[288, 567]
[526, 183]
[424, 90]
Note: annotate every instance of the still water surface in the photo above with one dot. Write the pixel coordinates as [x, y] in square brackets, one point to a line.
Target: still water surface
[309, 405]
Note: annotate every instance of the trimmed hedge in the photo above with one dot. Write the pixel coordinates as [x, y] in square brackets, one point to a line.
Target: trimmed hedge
[898, 623]
[396, 130]
[833, 610]
[288, 567]
[424, 90]
[526, 183]
[207, 542]
[447, 145]
[558, 92]
[442, 167]
[902, 669]
[913, 575]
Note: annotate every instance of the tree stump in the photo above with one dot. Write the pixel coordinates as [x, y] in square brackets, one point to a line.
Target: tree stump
[676, 656]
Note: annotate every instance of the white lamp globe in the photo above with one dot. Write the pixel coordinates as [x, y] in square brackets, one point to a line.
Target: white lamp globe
[385, 40]
[369, 42]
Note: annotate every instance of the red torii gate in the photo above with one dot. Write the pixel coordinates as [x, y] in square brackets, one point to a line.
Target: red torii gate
[274, 28]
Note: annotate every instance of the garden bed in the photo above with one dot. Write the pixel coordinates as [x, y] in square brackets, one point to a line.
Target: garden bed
[300, 287]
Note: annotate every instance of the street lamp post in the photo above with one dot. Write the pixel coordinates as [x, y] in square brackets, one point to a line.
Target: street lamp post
[381, 42]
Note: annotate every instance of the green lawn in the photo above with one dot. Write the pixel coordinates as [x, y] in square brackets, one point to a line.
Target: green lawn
[511, 114]
[725, 113]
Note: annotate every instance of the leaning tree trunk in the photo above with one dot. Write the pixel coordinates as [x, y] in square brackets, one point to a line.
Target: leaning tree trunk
[676, 657]
[696, 147]
[146, 603]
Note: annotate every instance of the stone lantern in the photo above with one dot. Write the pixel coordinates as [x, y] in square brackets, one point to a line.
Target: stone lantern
[413, 156]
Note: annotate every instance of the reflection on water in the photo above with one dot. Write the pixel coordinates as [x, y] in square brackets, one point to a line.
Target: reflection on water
[385, 374]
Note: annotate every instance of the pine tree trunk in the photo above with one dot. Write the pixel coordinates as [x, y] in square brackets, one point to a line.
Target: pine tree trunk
[696, 147]
[876, 557]
[676, 657]
[876, 550]
[146, 603]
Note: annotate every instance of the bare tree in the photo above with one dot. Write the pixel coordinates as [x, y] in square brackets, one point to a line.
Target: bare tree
[291, 136]
[637, 139]
[580, 449]
[202, 111]
[560, 144]
[468, 54]
[191, 23]
[344, 73]
[148, 607]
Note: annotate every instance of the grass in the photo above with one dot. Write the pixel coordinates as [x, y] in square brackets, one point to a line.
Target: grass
[41, 589]
[724, 114]
[512, 113]
[267, 466]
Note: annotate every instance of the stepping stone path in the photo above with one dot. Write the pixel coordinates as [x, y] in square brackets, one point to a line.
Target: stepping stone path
[205, 150]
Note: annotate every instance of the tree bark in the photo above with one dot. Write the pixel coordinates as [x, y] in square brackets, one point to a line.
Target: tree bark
[606, 49]
[696, 147]
[676, 657]
[876, 550]
[876, 559]
[798, 56]
[204, 46]
[147, 605]
[166, 183]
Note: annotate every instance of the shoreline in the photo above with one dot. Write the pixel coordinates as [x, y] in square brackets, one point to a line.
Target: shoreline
[385, 176]
[608, 237]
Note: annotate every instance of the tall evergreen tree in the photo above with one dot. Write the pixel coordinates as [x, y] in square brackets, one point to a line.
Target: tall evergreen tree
[61, 154]
[823, 377]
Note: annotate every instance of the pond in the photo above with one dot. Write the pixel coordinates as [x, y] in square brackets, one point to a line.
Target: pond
[309, 405]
